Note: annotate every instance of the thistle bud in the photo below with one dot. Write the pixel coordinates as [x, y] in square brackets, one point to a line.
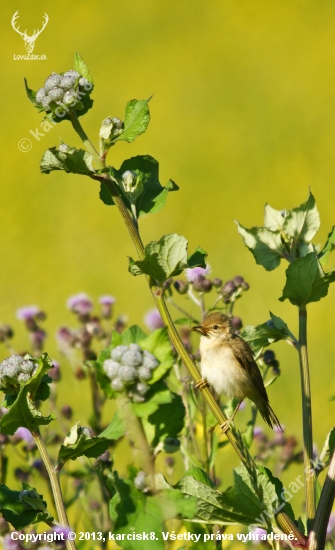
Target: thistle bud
[275, 368]
[144, 373]
[236, 323]
[67, 412]
[269, 357]
[6, 333]
[127, 374]
[217, 282]
[132, 358]
[107, 306]
[69, 79]
[40, 95]
[84, 83]
[228, 289]
[129, 179]
[180, 286]
[142, 388]
[52, 81]
[140, 481]
[70, 98]
[46, 103]
[167, 283]
[56, 94]
[117, 385]
[200, 284]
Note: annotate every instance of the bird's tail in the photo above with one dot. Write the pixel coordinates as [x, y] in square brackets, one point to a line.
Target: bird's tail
[269, 416]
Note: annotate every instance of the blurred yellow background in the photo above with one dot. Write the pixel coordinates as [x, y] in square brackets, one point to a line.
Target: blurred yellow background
[242, 115]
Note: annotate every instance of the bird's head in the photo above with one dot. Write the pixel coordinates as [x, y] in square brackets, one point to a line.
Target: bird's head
[215, 326]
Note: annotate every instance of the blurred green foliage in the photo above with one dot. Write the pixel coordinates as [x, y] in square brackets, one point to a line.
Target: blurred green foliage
[242, 114]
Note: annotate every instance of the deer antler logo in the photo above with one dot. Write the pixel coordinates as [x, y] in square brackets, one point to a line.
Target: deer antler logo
[29, 41]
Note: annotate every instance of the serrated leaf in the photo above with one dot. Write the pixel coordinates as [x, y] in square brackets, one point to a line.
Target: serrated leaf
[133, 334]
[328, 247]
[133, 511]
[306, 282]
[76, 161]
[81, 67]
[159, 394]
[265, 245]
[20, 514]
[136, 120]
[265, 334]
[303, 222]
[273, 219]
[238, 504]
[21, 414]
[79, 443]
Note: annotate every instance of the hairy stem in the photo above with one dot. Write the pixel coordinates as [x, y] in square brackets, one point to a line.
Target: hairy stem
[317, 537]
[55, 485]
[306, 420]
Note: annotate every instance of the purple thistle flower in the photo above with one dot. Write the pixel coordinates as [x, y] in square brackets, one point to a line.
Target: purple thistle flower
[55, 372]
[80, 303]
[60, 529]
[107, 300]
[10, 544]
[258, 431]
[194, 272]
[153, 319]
[23, 434]
[27, 312]
[65, 337]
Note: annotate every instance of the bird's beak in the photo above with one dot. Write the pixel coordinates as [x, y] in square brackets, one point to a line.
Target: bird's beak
[201, 329]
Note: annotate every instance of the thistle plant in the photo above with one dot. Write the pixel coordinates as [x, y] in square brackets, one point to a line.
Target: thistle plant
[151, 377]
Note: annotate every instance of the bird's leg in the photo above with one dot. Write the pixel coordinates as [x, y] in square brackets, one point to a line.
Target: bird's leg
[201, 385]
[226, 425]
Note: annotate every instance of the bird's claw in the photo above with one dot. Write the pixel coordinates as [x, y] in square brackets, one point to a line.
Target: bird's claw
[201, 385]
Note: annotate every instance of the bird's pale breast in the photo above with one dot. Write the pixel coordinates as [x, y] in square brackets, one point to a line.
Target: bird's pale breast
[220, 368]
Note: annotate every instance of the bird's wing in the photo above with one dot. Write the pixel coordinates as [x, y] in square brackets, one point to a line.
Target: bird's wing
[244, 356]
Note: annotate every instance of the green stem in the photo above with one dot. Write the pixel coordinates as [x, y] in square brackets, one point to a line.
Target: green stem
[55, 485]
[317, 536]
[205, 436]
[310, 479]
[157, 292]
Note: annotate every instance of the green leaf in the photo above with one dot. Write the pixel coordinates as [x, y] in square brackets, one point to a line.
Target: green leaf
[184, 321]
[158, 343]
[76, 161]
[273, 219]
[305, 281]
[116, 428]
[133, 511]
[30, 93]
[303, 222]
[166, 258]
[266, 334]
[328, 247]
[81, 67]
[22, 511]
[265, 245]
[198, 258]
[199, 475]
[79, 443]
[133, 334]
[159, 394]
[136, 120]
[238, 504]
[168, 419]
[153, 196]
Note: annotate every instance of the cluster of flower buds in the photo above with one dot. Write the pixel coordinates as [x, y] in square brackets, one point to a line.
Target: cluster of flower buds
[129, 369]
[269, 359]
[32, 316]
[62, 92]
[232, 289]
[131, 184]
[16, 371]
[82, 338]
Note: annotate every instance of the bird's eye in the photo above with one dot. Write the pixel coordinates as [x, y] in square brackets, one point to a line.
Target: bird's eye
[215, 327]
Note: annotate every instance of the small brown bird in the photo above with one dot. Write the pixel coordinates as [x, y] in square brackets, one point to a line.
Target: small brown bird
[227, 364]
